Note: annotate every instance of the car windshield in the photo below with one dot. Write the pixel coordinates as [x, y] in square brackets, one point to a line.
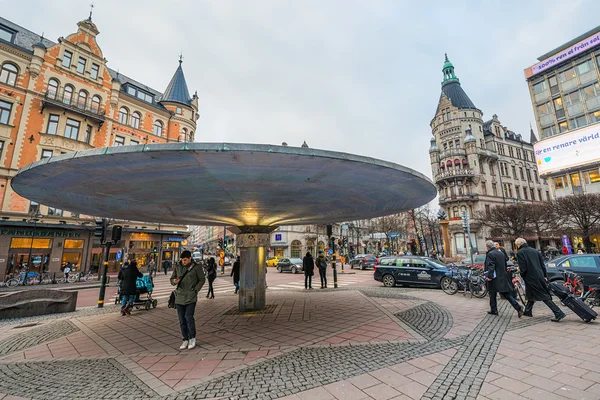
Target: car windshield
[476, 259]
[296, 260]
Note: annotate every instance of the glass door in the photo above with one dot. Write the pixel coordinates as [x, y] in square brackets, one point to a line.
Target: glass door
[576, 182]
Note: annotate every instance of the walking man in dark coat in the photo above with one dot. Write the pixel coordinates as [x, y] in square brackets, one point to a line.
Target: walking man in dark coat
[128, 275]
[496, 277]
[235, 272]
[533, 271]
[308, 265]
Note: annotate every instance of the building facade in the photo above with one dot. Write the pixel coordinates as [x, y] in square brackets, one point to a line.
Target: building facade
[60, 97]
[565, 95]
[477, 164]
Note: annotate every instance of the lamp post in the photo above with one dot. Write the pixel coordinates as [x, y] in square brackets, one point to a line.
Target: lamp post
[35, 217]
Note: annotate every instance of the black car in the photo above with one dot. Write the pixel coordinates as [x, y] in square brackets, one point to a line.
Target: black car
[294, 265]
[363, 261]
[585, 265]
[411, 270]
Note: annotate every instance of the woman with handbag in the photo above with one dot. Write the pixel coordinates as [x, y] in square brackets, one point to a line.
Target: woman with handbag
[189, 278]
[211, 274]
[322, 266]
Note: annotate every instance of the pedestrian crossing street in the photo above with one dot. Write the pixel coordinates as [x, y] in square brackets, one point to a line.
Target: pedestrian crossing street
[343, 280]
[163, 288]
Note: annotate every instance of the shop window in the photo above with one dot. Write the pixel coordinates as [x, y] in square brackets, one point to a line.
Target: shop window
[5, 110]
[561, 182]
[591, 176]
[26, 243]
[73, 244]
[296, 249]
[8, 74]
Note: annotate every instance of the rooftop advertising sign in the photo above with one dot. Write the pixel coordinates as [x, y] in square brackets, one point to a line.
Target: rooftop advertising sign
[569, 150]
[564, 55]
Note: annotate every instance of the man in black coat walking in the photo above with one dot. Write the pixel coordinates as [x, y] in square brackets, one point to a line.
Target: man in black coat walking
[128, 275]
[235, 272]
[308, 265]
[533, 271]
[496, 277]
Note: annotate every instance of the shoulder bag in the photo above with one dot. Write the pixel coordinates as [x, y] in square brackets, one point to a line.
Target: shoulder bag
[171, 303]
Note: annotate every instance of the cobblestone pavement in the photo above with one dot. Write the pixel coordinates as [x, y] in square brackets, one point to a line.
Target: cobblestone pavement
[355, 343]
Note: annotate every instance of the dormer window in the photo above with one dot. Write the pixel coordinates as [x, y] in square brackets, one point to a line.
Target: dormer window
[7, 34]
[140, 94]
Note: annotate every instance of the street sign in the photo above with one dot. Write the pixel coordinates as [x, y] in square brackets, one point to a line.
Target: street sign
[222, 254]
[119, 255]
[221, 262]
[330, 252]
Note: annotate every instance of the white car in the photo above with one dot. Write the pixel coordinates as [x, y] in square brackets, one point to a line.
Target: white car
[197, 256]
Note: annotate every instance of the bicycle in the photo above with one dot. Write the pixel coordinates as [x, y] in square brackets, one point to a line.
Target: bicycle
[592, 296]
[573, 283]
[46, 279]
[518, 283]
[469, 280]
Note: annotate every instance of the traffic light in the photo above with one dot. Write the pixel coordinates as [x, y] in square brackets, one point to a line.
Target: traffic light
[225, 243]
[155, 250]
[220, 242]
[117, 230]
[345, 241]
[100, 229]
[329, 230]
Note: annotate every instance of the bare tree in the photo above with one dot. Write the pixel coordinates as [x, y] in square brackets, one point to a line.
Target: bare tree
[395, 223]
[580, 211]
[511, 221]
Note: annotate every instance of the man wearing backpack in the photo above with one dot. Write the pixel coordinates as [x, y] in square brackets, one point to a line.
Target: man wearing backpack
[322, 266]
[189, 278]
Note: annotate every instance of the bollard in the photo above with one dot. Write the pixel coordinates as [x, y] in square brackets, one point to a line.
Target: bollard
[335, 281]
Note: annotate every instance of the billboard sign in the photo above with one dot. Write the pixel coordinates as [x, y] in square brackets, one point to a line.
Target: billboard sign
[568, 150]
[564, 55]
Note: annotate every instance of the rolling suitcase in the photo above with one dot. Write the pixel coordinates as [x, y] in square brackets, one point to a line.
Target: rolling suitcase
[579, 307]
[558, 290]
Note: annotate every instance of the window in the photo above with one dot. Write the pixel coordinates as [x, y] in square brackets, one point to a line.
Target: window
[525, 193]
[158, 128]
[518, 190]
[585, 262]
[52, 88]
[563, 127]
[46, 154]
[5, 109]
[68, 95]
[96, 104]
[53, 124]
[521, 173]
[72, 129]
[494, 189]
[558, 105]
[119, 141]
[135, 120]
[549, 131]
[578, 122]
[487, 208]
[544, 109]
[455, 212]
[94, 72]
[133, 142]
[81, 65]
[532, 194]
[483, 188]
[7, 34]
[539, 87]
[514, 172]
[9, 74]
[595, 117]
[547, 195]
[34, 207]
[561, 182]
[540, 194]
[591, 176]
[481, 171]
[67, 57]
[1, 148]
[519, 154]
[55, 211]
[573, 98]
[184, 134]
[529, 175]
[123, 115]
[88, 134]
[584, 67]
[567, 75]
[510, 151]
[591, 91]
[135, 92]
[82, 99]
[179, 110]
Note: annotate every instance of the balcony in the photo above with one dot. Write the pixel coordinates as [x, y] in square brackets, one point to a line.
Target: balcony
[452, 153]
[568, 85]
[593, 103]
[546, 120]
[455, 173]
[487, 153]
[543, 96]
[575, 109]
[458, 197]
[587, 77]
[72, 102]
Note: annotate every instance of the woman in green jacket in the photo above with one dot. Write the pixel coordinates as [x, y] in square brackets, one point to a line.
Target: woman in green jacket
[189, 278]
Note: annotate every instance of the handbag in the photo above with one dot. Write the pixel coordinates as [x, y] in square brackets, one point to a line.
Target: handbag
[171, 303]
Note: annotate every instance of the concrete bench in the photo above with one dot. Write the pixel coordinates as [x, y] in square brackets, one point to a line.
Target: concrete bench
[28, 303]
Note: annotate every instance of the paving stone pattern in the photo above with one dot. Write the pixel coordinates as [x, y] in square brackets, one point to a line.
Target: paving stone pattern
[464, 374]
[269, 309]
[36, 336]
[308, 368]
[76, 379]
[80, 312]
[430, 320]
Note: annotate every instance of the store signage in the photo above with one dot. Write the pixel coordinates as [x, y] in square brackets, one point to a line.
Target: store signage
[38, 232]
[175, 239]
[278, 237]
[568, 150]
[564, 55]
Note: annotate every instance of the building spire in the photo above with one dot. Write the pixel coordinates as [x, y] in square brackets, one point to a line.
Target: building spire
[448, 71]
[532, 138]
[177, 90]
[180, 57]
[91, 11]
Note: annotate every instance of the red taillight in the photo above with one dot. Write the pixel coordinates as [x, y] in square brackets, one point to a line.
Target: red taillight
[374, 268]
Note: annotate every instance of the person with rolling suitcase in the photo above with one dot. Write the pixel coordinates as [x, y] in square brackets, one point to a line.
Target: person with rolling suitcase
[575, 304]
[533, 272]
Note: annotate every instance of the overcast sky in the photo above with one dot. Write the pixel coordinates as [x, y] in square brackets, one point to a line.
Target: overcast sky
[359, 77]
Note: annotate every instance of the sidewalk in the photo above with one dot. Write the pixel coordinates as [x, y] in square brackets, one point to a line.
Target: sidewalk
[370, 343]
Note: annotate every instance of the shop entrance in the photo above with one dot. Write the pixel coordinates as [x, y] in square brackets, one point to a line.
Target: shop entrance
[19, 260]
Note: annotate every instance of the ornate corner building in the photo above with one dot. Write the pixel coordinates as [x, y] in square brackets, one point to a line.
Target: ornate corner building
[477, 164]
[61, 97]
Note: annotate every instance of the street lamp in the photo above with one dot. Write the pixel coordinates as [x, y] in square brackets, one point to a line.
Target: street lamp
[35, 217]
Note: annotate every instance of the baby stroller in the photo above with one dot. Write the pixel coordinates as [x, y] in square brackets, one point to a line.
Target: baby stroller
[144, 285]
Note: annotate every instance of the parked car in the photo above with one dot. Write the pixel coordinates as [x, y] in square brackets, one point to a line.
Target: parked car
[197, 256]
[411, 270]
[294, 265]
[478, 262]
[272, 261]
[585, 265]
[362, 261]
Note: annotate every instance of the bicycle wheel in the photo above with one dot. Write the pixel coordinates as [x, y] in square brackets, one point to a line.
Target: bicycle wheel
[478, 287]
[520, 293]
[449, 285]
[12, 282]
